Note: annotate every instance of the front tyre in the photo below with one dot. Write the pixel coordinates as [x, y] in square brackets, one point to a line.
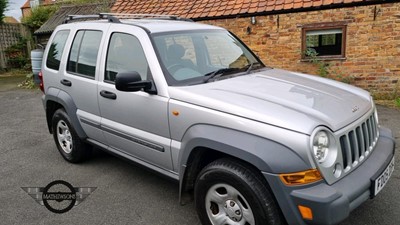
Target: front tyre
[228, 192]
[68, 142]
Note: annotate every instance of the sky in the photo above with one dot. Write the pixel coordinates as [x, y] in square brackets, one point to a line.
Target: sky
[14, 9]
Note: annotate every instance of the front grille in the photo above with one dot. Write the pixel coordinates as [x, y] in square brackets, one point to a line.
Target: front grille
[358, 143]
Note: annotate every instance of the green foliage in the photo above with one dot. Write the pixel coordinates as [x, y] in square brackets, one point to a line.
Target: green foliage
[3, 8]
[39, 16]
[16, 53]
[324, 69]
[28, 83]
[397, 102]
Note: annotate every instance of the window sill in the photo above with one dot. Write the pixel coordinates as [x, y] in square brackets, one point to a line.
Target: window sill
[325, 59]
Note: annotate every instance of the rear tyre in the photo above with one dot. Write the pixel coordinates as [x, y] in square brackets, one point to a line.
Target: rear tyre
[71, 147]
[228, 192]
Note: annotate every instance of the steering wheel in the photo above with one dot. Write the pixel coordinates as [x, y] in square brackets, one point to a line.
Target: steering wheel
[174, 67]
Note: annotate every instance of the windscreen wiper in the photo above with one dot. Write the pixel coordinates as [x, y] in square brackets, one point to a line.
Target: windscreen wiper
[250, 66]
[217, 73]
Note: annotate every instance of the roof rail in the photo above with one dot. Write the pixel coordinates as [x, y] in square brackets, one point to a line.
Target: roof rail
[110, 18]
[115, 17]
[145, 16]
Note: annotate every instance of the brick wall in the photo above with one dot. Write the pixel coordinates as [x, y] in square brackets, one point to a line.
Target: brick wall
[26, 12]
[372, 45]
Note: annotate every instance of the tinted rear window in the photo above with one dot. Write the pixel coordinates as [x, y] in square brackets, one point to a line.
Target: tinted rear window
[83, 56]
[56, 49]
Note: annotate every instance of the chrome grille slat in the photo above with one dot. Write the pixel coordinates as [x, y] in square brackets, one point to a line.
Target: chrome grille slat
[357, 143]
[374, 130]
[366, 136]
[371, 136]
[344, 152]
[354, 149]
[360, 140]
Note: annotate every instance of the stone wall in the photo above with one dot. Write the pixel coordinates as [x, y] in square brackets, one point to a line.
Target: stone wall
[372, 44]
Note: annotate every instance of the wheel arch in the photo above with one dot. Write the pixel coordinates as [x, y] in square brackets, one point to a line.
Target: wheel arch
[203, 144]
[56, 99]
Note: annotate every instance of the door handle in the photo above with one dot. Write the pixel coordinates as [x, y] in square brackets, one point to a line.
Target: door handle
[107, 94]
[66, 82]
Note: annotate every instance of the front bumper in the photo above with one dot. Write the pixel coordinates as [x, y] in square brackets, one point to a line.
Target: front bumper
[332, 204]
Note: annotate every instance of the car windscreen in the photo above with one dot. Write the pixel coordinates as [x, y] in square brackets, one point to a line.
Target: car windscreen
[187, 57]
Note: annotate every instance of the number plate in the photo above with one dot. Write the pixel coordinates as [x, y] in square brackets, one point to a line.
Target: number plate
[383, 178]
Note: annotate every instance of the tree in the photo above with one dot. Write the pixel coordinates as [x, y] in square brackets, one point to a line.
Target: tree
[39, 16]
[3, 9]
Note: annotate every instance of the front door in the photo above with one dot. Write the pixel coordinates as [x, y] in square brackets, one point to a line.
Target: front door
[135, 123]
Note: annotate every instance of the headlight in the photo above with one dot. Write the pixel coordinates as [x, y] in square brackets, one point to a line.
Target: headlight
[321, 146]
[324, 147]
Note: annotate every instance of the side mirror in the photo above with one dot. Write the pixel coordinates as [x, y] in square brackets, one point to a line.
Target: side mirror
[132, 82]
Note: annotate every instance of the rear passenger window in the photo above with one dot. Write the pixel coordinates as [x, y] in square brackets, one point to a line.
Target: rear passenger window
[125, 54]
[83, 56]
[56, 49]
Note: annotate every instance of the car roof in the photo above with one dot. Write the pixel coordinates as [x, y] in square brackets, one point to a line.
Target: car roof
[158, 25]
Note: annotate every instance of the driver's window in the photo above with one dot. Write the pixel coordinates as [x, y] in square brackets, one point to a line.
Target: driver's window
[125, 54]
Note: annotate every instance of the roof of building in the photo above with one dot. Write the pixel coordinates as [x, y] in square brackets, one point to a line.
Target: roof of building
[27, 4]
[59, 17]
[10, 19]
[208, 9]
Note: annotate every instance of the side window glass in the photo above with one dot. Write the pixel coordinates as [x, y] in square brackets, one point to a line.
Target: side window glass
[83, 56]
[125, 54]
[73, 55]
[56, 49]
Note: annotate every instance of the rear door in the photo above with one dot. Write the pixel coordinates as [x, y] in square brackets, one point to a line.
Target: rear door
[134, 123]
[80, 75]
[53, 60]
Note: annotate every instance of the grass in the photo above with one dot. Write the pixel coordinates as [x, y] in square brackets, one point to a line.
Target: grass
[11, 79]
[397, 102]
[394, 103]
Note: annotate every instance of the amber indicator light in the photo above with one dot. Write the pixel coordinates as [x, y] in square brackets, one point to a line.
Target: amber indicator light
[306, 212]
[303, 177]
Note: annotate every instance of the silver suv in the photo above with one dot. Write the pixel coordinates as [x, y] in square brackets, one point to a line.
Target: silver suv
[252, 144]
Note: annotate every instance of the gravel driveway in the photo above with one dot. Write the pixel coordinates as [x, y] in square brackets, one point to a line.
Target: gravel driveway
[126, 193]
